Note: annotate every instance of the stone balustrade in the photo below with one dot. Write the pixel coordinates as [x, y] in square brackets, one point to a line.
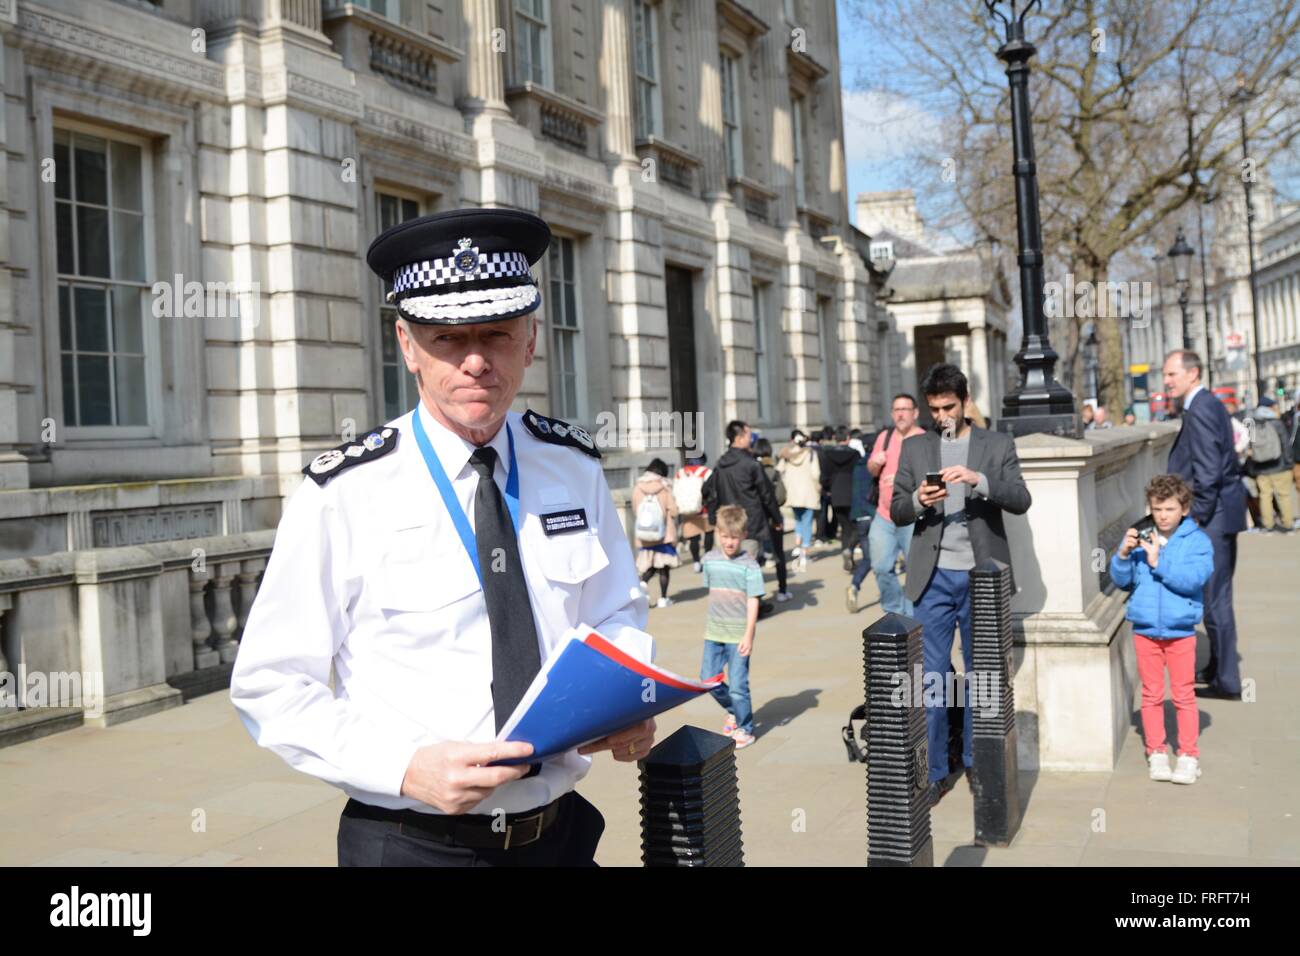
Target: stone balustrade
[135, 622]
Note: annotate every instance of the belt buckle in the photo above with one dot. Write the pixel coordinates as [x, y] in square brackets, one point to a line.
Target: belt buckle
[537, 833]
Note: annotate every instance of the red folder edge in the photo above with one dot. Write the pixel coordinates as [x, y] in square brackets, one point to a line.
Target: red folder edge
[602, 645]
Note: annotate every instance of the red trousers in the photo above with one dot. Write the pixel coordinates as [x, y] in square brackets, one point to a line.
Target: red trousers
[1178, 655]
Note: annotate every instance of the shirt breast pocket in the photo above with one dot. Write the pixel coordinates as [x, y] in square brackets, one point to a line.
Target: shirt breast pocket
[566, 562]
[411, 577]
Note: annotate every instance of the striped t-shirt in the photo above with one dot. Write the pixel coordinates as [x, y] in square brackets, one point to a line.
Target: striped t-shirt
[731, 583]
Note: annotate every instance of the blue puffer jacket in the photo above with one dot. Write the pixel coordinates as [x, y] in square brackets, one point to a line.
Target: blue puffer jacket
[1166, 601]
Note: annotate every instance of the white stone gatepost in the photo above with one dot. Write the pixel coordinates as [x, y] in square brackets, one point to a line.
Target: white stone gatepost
[1075, 667]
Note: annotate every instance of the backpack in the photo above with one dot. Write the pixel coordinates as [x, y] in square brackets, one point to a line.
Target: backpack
[778, 486]
[650, 524]
[688, 492]
[1265, 446]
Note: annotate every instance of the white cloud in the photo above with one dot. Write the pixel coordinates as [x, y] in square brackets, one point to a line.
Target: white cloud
[882, 128]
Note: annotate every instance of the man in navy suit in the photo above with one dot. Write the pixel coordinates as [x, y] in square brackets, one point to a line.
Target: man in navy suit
[1203, 456]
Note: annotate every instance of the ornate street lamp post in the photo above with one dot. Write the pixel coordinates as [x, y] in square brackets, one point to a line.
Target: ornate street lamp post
[1039, 403]
[1180, 254]
[1090, 363]
[1242, 97]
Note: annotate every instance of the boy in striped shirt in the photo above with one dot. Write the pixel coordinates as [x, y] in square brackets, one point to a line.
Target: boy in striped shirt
[735, 584]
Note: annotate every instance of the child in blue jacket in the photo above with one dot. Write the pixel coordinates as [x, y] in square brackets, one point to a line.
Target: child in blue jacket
[1166, 568]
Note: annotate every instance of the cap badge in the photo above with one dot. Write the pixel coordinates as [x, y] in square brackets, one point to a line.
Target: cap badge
[466, 257]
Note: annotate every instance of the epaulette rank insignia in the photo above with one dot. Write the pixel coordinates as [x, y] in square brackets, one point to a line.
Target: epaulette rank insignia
[374, 445]
[560, 433]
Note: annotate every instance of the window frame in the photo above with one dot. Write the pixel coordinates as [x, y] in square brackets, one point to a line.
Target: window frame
[643, 11]
[545, 25]
[150, 331]
[576, 330]
[761, 293]
[406, 381]
[733, 141]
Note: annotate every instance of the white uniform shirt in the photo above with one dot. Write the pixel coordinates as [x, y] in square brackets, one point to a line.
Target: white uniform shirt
[370, 575]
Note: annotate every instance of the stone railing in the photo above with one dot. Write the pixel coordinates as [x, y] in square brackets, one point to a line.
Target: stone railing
[130, 622]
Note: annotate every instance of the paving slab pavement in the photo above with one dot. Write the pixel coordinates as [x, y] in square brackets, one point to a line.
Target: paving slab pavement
[187, 787]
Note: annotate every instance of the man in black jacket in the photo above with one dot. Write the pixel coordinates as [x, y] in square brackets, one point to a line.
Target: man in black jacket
[837, 479]
[738, 479]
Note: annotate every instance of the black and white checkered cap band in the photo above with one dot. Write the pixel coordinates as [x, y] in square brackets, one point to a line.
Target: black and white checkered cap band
[436, 272]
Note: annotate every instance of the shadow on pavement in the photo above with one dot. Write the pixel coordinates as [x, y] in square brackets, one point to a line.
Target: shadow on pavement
[781, 710]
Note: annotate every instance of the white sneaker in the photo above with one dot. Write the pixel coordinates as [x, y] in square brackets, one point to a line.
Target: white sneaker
[783, 596]
[1186, 770]
[797, 553]
[803, 562]
[665, 602]
[698, 567]
[1158, 766]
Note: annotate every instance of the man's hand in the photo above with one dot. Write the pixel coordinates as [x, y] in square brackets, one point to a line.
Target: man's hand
[960, 473]
[877, 462]
[931, 495]
[454, 777]
[1153, 550]
[628, 745]
[746, 645]
[1129, 543]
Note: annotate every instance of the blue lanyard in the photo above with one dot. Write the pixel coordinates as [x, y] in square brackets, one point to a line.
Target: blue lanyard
[449, 498]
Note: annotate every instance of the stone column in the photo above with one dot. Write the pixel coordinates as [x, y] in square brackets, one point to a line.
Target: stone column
[250, 576]
[775, 72]
[200, 626]
[617, 76]
[486, 56]
[13, 465]
[119, 613]
[980, 372]
[702, 27]
[8, 680]
[223, 612]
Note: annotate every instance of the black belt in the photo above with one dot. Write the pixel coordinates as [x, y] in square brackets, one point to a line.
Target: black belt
[471, 830]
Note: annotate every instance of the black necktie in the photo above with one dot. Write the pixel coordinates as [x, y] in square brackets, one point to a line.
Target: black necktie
[516, 658]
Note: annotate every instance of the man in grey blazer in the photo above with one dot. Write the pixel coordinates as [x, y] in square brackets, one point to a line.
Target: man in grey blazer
[958, 524]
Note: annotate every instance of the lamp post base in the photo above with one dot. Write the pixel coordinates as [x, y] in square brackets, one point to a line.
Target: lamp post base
[1048, 412]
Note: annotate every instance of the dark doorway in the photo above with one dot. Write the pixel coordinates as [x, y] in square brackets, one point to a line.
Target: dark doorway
[931, 345]
[679, 297]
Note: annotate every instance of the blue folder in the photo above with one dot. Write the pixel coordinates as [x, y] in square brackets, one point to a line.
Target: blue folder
[587, 689]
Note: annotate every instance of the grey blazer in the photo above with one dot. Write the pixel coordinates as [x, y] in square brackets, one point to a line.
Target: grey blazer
[993, 454]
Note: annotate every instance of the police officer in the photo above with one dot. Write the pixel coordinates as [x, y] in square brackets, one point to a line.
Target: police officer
[433, 564]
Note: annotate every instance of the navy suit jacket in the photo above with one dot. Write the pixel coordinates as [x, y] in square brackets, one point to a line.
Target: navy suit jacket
[1203, 456]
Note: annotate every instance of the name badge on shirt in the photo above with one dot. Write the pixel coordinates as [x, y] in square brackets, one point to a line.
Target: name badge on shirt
[558, 522]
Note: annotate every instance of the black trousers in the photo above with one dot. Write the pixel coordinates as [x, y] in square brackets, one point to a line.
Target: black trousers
[569, 841]
[695, 544]
[848, 529]
[1220, 621]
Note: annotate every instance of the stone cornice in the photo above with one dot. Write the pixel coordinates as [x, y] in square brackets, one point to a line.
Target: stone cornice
[281, 86]
[50, 40]
[444, 142]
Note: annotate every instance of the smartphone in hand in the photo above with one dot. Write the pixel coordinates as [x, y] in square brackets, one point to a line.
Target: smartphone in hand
[934, 478]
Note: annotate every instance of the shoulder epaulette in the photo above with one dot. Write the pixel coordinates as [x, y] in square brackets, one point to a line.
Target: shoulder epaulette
[560, 433]
[374, 445]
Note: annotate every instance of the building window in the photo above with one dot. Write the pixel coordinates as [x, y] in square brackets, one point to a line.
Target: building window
[400, 394]
[99, 223]
[796, 118]
[532, 42]
[762, 372]
[562, 317]
[731, 137]
[646, 40]
[882, 250]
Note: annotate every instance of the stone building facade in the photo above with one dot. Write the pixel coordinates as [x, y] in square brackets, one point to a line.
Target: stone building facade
[187, 189]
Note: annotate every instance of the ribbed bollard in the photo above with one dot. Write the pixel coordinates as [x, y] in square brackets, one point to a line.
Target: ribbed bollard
[690, 801]
[898, 811]
[994, 779]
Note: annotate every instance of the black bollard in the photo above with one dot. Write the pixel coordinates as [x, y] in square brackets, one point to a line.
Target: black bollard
[994, 777]
[898, 811]
[690, 801]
